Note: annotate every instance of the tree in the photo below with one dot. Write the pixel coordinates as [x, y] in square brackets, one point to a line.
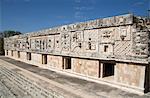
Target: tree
[10, 33]
[4, 35]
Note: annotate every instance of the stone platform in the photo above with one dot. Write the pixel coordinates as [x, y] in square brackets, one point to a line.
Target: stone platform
[18, 79]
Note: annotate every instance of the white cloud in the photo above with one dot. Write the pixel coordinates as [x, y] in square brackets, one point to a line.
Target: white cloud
[80, 15]
[77, 1]
[84, 8]
[138, 3]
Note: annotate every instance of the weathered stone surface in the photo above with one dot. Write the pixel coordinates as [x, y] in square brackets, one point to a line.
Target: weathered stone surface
[54, 61]
[130, 74]
[17, 85]
[88, 39]
[86, 67]
[113, 49]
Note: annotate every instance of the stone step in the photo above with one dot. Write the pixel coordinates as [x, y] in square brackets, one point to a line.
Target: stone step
[25, 86]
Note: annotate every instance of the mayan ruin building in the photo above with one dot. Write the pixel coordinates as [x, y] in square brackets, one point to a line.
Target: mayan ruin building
[113, 50]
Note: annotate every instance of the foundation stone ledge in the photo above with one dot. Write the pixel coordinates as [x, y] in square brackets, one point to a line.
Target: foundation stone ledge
[133, 61]
[130, 88]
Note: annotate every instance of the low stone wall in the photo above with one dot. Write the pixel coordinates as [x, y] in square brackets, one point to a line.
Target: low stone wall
[130, 74]
[54, 61]
[86, 67]
[23, 56]
[37, 58]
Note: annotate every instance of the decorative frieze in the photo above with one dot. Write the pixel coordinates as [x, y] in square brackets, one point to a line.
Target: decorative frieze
[119, 37]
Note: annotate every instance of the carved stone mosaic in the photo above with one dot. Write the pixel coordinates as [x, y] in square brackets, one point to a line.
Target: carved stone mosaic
[123, 37]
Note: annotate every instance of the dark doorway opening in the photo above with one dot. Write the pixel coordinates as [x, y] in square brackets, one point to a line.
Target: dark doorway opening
[28, 56]
[147, 79]
[66, 62]
[12, 53]
[44, 59]
[106, 48]
[18, 54]
[108, 69]
[7, 52]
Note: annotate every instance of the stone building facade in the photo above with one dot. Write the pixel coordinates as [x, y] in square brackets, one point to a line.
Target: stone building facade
[113, 51]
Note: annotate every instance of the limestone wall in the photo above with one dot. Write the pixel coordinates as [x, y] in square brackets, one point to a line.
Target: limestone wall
[23, 56]
[86, 67]
[118, 37]
[37, 58]
[54, 61]
[15, 54]
[130, 74]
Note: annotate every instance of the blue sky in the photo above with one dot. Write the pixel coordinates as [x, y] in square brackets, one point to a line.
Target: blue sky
[33, 15]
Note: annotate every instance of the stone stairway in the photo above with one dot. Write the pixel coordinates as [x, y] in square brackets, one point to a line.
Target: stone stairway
[20, 86]
[4, 90]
